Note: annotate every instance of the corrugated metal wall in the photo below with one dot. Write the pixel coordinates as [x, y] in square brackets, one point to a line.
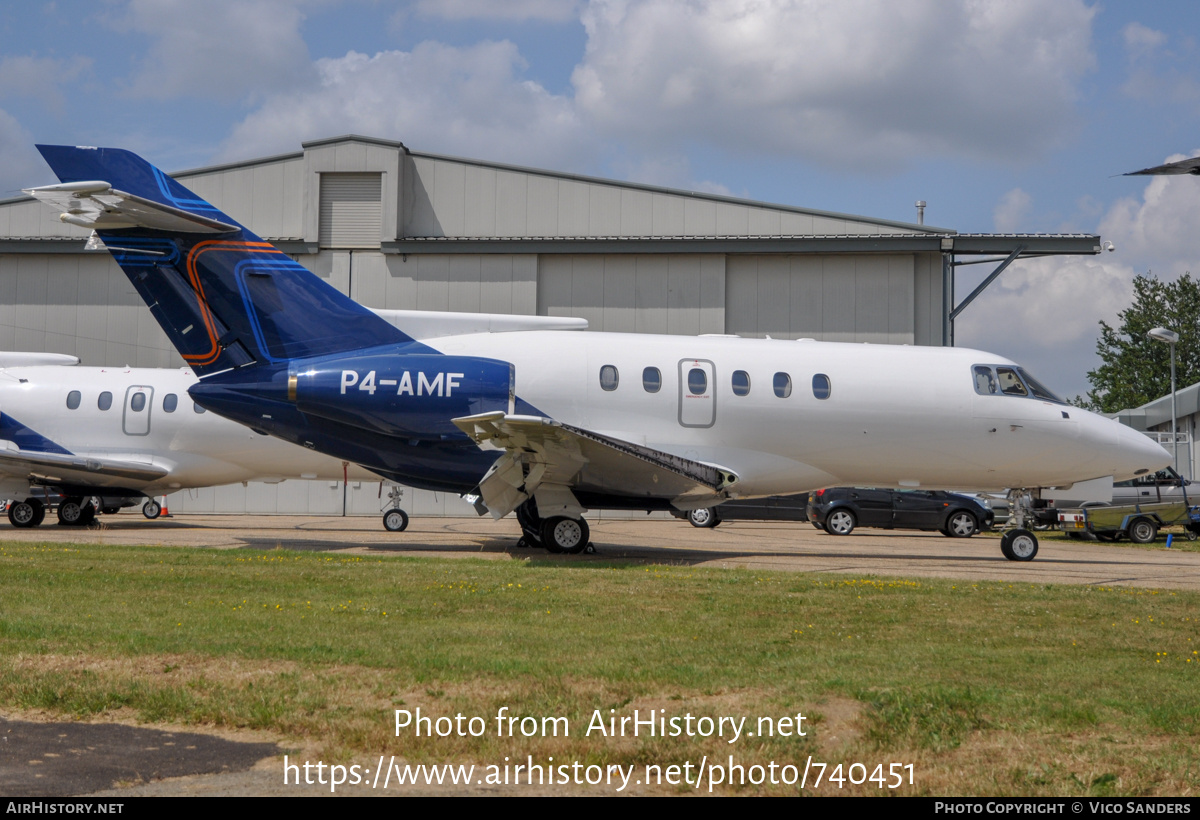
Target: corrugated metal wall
[454, 198]
[636, 293]
[842, 298]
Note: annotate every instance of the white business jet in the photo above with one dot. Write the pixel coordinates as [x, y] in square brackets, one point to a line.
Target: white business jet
[549, 422]
[122, 435]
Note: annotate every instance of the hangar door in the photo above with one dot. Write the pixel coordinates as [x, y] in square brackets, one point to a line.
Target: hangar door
[829, 297]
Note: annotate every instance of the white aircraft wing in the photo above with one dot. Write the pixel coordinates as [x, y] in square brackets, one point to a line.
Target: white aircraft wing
[56, 468]
[99, 206]
[547, 459]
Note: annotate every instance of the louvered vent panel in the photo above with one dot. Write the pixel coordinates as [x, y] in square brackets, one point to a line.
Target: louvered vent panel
[351, 210]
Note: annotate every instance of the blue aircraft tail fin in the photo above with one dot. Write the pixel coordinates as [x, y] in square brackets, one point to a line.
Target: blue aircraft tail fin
[225, 297]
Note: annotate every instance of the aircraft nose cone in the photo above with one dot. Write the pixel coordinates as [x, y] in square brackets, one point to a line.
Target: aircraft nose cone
[1139, 453]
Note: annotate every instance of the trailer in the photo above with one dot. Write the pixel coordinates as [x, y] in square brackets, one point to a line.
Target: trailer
[1139, 523]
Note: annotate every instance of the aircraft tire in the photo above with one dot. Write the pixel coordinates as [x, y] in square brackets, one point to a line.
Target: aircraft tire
[840, 522]
[151, 509]
[1143, 531]
[71, 512]
[1019, 545]
[961, 525]
[24, 514]
[704, 518]
[565, 535]
[395, 520]
[531, 523]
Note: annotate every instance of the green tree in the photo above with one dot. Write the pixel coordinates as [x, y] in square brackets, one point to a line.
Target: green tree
[1137, 369]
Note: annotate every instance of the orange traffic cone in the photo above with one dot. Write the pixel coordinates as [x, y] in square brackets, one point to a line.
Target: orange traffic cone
[165, 512]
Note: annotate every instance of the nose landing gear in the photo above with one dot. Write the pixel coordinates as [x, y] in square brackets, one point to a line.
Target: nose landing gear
[1019, 543]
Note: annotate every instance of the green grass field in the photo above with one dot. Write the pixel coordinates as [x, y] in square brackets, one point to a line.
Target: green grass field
[988, 688]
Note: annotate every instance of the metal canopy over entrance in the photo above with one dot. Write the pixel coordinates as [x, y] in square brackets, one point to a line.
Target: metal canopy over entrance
[1014, 246]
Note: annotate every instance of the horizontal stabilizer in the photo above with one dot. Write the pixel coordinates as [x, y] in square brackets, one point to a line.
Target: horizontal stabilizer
[542, 451]
[56, 468]
[9, 358]
[97, 205]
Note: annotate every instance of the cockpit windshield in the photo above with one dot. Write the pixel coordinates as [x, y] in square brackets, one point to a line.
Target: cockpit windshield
[1003, 380]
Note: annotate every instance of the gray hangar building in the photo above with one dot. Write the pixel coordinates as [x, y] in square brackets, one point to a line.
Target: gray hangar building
[400, 229]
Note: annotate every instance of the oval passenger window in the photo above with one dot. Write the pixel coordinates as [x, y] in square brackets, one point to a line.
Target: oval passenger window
[741, 383]
[138, 403]
[697, 381]
[105, 400]
[821, 386]
[652, 379]
[608, 377]
[73, 399]
[783, 385]
[170, 402]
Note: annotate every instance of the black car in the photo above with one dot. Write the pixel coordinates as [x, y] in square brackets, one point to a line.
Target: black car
[840, 509]
[772, 508]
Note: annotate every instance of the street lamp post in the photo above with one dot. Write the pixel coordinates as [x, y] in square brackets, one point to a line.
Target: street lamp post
[1161, 334]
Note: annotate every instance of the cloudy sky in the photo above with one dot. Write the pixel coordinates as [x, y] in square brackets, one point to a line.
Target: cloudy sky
[1012, 115]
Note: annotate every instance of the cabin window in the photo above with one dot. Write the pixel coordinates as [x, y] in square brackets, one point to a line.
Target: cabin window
[697, 381]
[652, 379]
[783, 385]
[138, 403]
[105, 400]
[170, 402]
[73, 399]
[198, 408]
[609, 377]
[741, 383]
[821, 386]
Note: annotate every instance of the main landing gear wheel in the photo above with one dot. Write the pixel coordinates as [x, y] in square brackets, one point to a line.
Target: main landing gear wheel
[76, 512]
[840, 522]
[27, 513]
[395, 520]
[152, 509]
[1019, 545]
[704, 518]
[561, 534]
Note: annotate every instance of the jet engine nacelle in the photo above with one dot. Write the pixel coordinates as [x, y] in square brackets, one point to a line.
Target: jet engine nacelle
[402, 394]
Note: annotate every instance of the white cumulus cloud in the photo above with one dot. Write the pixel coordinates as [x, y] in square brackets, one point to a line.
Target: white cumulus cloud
[1158, 230]
[218, 49]
[467, 101]
[854, 82]
[554, 11]
[1010, 212]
